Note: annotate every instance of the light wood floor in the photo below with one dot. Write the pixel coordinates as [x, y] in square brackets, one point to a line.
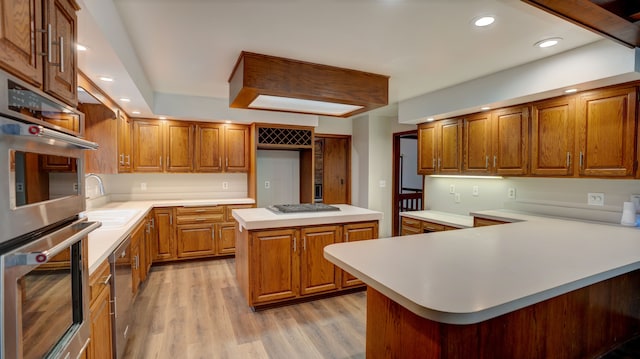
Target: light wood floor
[195, 310]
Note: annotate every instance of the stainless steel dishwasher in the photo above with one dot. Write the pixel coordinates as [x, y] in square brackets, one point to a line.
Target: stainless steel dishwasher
[121, 295]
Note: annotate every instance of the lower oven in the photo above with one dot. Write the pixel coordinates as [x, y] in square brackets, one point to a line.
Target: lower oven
[44, 303]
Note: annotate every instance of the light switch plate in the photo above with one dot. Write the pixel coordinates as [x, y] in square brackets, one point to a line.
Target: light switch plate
[475, 191]
[267, 184]
[452, 188]
[143, 186]
[457, 197]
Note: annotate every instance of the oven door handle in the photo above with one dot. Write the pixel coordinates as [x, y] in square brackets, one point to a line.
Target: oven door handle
[15, 128]
[37, 258]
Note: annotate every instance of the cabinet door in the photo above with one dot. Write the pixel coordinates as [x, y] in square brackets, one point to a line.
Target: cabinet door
[317, 273]
[179, 146]
[208, 147]
[477, 144]
[150, 236]
[606, 130]
[275, 265]
[60, 78]
[196, 240]
[427, 148]
[148, 146]
[449, 146]
[553, 137]
[137, 250]
[101, 326]
[226, 238]
[357, 232]
[124, 143]
[410, 226]
[510, 137]
[164, 242]
[236, 148]
[20, 43]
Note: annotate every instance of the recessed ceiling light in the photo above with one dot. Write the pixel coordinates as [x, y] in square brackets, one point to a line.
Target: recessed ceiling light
[106, 78]
[548, 42]
[431, 119]
[81, 47]
[227, 121]
[484, 21]
[163, 117]
[135, 112]
[124, 99]
[571, 90]
[485, 108]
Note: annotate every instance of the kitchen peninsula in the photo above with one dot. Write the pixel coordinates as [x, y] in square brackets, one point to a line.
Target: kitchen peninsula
[279, 256]
[535, 288]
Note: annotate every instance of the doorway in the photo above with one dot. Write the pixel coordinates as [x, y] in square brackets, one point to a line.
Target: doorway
[408, 186]
[332, 172]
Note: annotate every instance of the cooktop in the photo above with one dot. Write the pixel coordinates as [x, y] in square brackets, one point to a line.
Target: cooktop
[302, 207]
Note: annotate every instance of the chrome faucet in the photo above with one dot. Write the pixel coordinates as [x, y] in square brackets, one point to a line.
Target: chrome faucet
[98, 179]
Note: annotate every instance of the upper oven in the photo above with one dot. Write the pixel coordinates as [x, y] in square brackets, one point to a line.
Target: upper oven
[41, 167]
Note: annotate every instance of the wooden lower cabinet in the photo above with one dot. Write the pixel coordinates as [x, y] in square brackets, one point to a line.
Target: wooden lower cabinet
[164, 244]
[100, 313]
[226, 238]
[285, 264]
[481, 222]
[195, 240]
[416, 226]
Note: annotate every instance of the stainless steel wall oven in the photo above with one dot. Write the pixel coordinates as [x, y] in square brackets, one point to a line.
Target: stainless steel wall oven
[44, 305]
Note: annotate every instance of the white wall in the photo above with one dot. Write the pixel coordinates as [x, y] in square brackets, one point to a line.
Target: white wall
[409, 152]
[566, 197]
[282, 170]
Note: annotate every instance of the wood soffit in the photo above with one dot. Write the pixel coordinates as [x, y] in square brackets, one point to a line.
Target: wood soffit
[257, 74]
[615, 19]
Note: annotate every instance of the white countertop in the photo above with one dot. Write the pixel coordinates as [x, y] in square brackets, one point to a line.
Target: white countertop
[103, 241]
[262, 218]
[444, 218]
[471, 275]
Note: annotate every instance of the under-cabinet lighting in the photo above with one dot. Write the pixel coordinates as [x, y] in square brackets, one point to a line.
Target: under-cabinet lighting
[484, 21]
[277, 103]
[431, 119]
[465, 176]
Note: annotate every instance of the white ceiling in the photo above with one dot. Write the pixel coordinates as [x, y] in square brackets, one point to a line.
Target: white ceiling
[186, 49]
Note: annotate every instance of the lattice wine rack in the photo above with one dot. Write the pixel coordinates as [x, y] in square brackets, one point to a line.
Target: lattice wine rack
[285, 136]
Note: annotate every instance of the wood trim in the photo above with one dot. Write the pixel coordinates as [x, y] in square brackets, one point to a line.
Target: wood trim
[98, 93]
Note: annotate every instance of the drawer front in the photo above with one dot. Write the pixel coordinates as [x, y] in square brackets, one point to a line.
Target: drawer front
[99, 280]
[200, 218]
[229, 215]
[410, 222]
[481, 222]
[197, 211]
[432, 227]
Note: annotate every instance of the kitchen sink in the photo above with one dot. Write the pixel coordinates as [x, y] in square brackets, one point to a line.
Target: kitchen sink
[112, 218]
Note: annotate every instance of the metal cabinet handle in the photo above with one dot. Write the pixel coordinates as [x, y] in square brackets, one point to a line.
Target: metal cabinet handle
[226, 162]
[439, 162]
[304, 243]
[106, 280]
[128, 160]
[170, 219]
[168, 163]
[220, 233]
[486, 162]
[433, 164]
[220, 161]
[148, 228]
[153, 223]
[49, 43]
[568, 159]
[346, 236]
[61, 45]
[122, 159]
[494, 161]
[581, 159]
[160, 161]
[294, 244]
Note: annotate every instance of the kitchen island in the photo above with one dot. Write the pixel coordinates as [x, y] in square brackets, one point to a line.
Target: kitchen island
[536, 288]
[279, 257]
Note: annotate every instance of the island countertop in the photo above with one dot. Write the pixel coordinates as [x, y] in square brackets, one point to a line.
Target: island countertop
[470, 275]
[262, 218]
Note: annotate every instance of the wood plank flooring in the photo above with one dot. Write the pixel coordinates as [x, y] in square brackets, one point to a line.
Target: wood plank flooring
[196, 310]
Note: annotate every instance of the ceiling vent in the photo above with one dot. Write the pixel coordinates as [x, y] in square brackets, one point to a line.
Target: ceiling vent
[263, 82]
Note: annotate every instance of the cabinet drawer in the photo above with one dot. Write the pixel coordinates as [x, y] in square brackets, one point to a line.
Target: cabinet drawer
[99, 280]
[481, 222]
[229, 215]
[200, 218]
[431, 227]
[202, 210]
[410, 222]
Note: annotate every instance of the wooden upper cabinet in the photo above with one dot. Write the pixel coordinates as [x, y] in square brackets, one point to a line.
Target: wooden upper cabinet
[149, 149]
[440, 147]
[606, 127]
[20, 41]
[553, 137]
[236, 144]
[449, 145]
[208, 147]
[477, 144]
[510, 141]
[427, 148]
[179, 146]
[124, 143]
[60, 21]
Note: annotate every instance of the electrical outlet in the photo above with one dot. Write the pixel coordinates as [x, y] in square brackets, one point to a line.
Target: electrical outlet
[511, 193]
[225, 185]
[452, 188]
[457, 197]
[19, 187]
[475, 191]
[143, 186]
[267, 184]
[75, 187]
[595, 199]
[635, 198]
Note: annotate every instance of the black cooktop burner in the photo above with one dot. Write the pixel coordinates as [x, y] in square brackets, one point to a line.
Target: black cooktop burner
[302, 207]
